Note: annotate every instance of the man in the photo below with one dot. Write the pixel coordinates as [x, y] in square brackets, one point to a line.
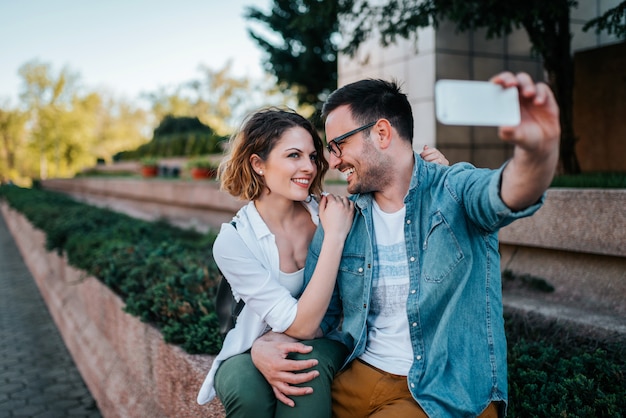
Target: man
[419, 281]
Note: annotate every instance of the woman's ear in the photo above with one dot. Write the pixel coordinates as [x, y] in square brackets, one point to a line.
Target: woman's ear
[257, 164]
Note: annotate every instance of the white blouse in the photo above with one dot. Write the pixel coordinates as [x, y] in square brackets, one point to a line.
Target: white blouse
[248, 257]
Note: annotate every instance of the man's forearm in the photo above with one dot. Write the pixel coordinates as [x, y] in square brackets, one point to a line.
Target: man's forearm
[527, 176]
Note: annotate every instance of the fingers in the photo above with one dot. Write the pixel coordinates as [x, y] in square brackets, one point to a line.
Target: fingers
[282, 398]
[433, 155]
[337, 198]
[297, 365]
[342, 203]
[288, 378]
[538, 92]
[296, 348]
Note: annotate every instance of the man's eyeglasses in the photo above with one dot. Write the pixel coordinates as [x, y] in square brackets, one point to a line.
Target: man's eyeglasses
[333, 145]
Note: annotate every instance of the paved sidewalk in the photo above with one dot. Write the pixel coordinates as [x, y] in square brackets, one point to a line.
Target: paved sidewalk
[37, 375]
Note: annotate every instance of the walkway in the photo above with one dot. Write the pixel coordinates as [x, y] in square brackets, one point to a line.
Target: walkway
[38, 377]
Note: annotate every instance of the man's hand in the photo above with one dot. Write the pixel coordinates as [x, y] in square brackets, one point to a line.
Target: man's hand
[269, 355]
[538, 109]
[536, 141]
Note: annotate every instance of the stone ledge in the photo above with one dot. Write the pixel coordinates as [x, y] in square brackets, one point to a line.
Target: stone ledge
[128, 368]
[577, 220]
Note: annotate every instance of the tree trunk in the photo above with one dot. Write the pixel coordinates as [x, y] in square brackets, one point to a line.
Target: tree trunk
[562, 81]
[553, 41]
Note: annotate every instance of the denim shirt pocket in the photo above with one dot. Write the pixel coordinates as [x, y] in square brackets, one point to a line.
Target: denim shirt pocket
[441, 250]
[352, 272]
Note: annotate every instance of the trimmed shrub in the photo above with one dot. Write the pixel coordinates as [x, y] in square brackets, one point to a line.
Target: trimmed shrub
[165, 275]
[605, 180]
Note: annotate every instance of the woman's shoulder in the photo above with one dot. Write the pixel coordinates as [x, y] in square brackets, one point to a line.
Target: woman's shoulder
[314, 209]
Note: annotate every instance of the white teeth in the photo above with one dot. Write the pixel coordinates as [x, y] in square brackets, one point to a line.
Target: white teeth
[302, 181]
[347, 172]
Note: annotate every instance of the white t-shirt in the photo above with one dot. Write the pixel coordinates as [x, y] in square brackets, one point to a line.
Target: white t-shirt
[388, 339]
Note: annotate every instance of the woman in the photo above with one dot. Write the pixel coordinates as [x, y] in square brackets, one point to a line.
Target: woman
[277, 163]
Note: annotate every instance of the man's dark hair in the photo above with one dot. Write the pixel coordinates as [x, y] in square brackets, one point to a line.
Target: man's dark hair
[370, 100]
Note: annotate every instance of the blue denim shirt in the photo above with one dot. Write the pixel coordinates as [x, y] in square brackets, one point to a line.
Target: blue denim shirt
[454, 305]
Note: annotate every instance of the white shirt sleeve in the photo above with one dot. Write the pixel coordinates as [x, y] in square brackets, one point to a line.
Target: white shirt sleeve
[253, 279]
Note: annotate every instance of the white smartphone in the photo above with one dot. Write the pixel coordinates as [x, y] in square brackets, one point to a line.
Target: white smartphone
[476, 103]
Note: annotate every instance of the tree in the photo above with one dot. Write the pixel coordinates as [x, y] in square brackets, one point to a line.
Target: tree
[302, 54]
[119, 126]
[12, 138]
[613, 21]
[215, 99]
[546, 22]
[68, 128]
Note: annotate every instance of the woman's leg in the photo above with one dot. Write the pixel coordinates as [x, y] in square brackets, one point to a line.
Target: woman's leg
[331, 355]
[243, 391]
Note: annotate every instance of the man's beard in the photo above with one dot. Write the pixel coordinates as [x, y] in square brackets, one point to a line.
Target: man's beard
[377, 174]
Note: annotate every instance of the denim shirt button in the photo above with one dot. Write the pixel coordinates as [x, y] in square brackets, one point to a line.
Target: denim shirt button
[414, 324]
[360, 269]
[413, 291]
[418, 357]
[408, 222]
[412, 259]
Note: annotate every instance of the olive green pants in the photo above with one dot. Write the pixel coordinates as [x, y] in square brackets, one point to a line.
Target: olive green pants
[245, 393]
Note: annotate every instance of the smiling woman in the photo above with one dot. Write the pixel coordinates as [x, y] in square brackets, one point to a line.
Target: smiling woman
[277, 162]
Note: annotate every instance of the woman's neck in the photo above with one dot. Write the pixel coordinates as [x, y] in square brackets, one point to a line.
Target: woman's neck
[277, 213]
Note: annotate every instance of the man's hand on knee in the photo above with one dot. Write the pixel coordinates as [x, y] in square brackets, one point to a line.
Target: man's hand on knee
[269, 355]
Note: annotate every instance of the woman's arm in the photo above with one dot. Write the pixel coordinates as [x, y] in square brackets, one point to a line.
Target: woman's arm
[336, 214]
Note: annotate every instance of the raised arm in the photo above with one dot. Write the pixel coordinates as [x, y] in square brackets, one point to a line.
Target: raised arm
[536, 140]
[336, 214]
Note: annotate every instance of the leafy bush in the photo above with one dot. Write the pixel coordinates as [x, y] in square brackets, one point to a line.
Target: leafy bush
[555, 370]
[545, 382]
[606, 180]
[178, 137]
[165, 275]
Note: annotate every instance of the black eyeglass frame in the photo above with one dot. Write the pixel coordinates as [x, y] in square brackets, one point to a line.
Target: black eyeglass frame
[333, 145]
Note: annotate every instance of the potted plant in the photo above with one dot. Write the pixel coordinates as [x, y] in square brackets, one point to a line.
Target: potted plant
[149, 166]
[202, 168]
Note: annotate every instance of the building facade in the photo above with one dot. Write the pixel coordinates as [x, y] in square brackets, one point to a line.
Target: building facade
[444, 54]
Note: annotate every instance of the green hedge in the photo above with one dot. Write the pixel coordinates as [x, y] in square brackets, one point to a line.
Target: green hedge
[167, 277]
[604, 180]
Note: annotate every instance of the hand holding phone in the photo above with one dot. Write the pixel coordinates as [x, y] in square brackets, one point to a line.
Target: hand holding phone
[476, 103]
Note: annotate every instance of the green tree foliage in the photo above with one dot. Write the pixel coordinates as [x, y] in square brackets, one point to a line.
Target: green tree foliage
[613, 22]
[546, 22]
[12, 140]
[178, 136]
[217, 99]
[118, 126]
[47, 98]
[300, 51]
[60, 128]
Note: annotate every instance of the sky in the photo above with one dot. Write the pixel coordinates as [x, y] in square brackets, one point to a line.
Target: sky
[126, 46]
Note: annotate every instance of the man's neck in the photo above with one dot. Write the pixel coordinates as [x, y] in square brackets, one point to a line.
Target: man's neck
[391, 199]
